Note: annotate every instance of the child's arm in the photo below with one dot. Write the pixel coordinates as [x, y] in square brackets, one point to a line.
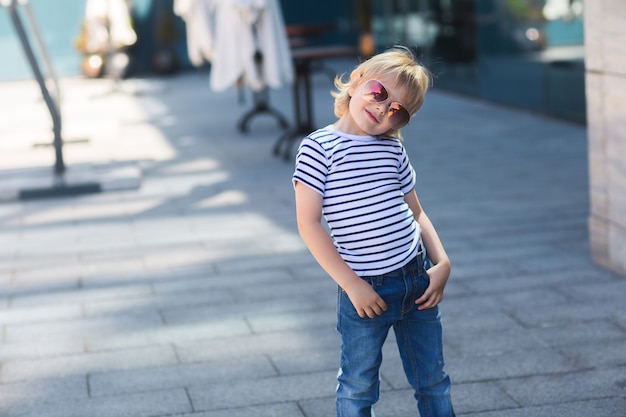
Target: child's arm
[309, 214]
[440, 271]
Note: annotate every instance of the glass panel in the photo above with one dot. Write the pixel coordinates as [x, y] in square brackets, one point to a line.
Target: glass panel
[526, 53]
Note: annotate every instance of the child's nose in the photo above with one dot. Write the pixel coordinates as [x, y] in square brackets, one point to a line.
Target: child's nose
[383, 108]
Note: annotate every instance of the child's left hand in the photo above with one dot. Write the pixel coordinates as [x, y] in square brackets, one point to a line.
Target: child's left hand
[433, 295]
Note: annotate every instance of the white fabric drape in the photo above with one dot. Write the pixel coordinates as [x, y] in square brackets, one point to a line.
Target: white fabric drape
[107, 25]
[229, 33]
[198, 16]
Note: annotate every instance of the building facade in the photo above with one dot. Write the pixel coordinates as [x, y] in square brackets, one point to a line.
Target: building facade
[605, 55]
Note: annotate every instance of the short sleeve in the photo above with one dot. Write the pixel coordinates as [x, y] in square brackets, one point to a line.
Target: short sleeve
[311, 165]
[406, 173]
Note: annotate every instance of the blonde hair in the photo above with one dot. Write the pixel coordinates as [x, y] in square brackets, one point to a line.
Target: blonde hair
[397, 63]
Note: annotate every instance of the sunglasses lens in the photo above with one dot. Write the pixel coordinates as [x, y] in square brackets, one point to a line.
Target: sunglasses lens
[398, 115]
[374, 92]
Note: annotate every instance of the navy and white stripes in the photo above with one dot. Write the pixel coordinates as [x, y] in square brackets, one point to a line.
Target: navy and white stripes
[363, 180]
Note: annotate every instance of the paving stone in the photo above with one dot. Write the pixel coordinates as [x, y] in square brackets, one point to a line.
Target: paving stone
[78, 295]
[67, 273]
[262, 391]
[135, 405]
[601, 354]
[159, 303]
[507, 365]
[318, 407]
[239, 308]
[276, 343]
[265, 262]
[568, 387]
[178, 376]
[613, 407]
[577, 334]
[214, 281]
[608, 291]
[167, 335]
[477, 397]
[530, 299]
[290, 409]
[316, 360]
[29, 350]
[299, 289]
[82, 364]
[493, 342]
[560, 313]
[42, 391]
[83, 328]
[17, 316]
[297, 319]
[525, 280]
[475, 314]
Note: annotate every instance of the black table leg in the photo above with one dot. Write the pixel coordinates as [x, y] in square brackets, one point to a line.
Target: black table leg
[303, 111]
[261, 106]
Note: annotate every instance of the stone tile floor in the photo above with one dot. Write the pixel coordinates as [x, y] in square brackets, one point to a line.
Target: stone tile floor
[192, 295]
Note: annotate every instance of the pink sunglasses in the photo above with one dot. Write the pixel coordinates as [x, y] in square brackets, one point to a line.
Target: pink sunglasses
[375, 92]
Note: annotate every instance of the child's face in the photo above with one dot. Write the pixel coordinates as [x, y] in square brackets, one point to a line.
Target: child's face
[376, 106]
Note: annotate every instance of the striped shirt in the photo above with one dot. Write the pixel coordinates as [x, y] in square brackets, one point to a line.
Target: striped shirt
[362, 180]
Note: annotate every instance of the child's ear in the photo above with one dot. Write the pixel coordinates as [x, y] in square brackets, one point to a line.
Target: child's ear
[354, 82]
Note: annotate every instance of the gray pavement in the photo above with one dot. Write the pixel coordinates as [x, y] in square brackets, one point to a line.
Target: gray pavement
[190, 294]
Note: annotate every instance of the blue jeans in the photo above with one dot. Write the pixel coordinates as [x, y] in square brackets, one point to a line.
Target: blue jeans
[419, 338]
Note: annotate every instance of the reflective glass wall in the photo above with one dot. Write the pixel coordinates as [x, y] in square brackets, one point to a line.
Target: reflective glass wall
[524, 53]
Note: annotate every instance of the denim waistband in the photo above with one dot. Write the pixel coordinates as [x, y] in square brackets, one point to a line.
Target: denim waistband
[417, 263]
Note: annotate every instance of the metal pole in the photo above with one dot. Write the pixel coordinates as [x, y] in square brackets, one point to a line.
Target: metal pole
[59, 166]
[44, 52]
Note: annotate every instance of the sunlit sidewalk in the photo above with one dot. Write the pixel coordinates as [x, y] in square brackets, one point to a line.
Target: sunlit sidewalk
[191, 294]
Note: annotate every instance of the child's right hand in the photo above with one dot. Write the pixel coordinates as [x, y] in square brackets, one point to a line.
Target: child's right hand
[365, 300]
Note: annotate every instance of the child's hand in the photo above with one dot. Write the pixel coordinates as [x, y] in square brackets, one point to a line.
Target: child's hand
[365, 300]
[433, 295]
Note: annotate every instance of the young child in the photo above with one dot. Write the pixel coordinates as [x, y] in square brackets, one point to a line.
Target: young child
[357, 174]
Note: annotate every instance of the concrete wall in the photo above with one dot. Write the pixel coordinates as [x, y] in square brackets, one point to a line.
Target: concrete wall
[605, 50]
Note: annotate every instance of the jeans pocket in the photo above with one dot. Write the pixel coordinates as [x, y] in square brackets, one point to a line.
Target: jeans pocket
[421, 282]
